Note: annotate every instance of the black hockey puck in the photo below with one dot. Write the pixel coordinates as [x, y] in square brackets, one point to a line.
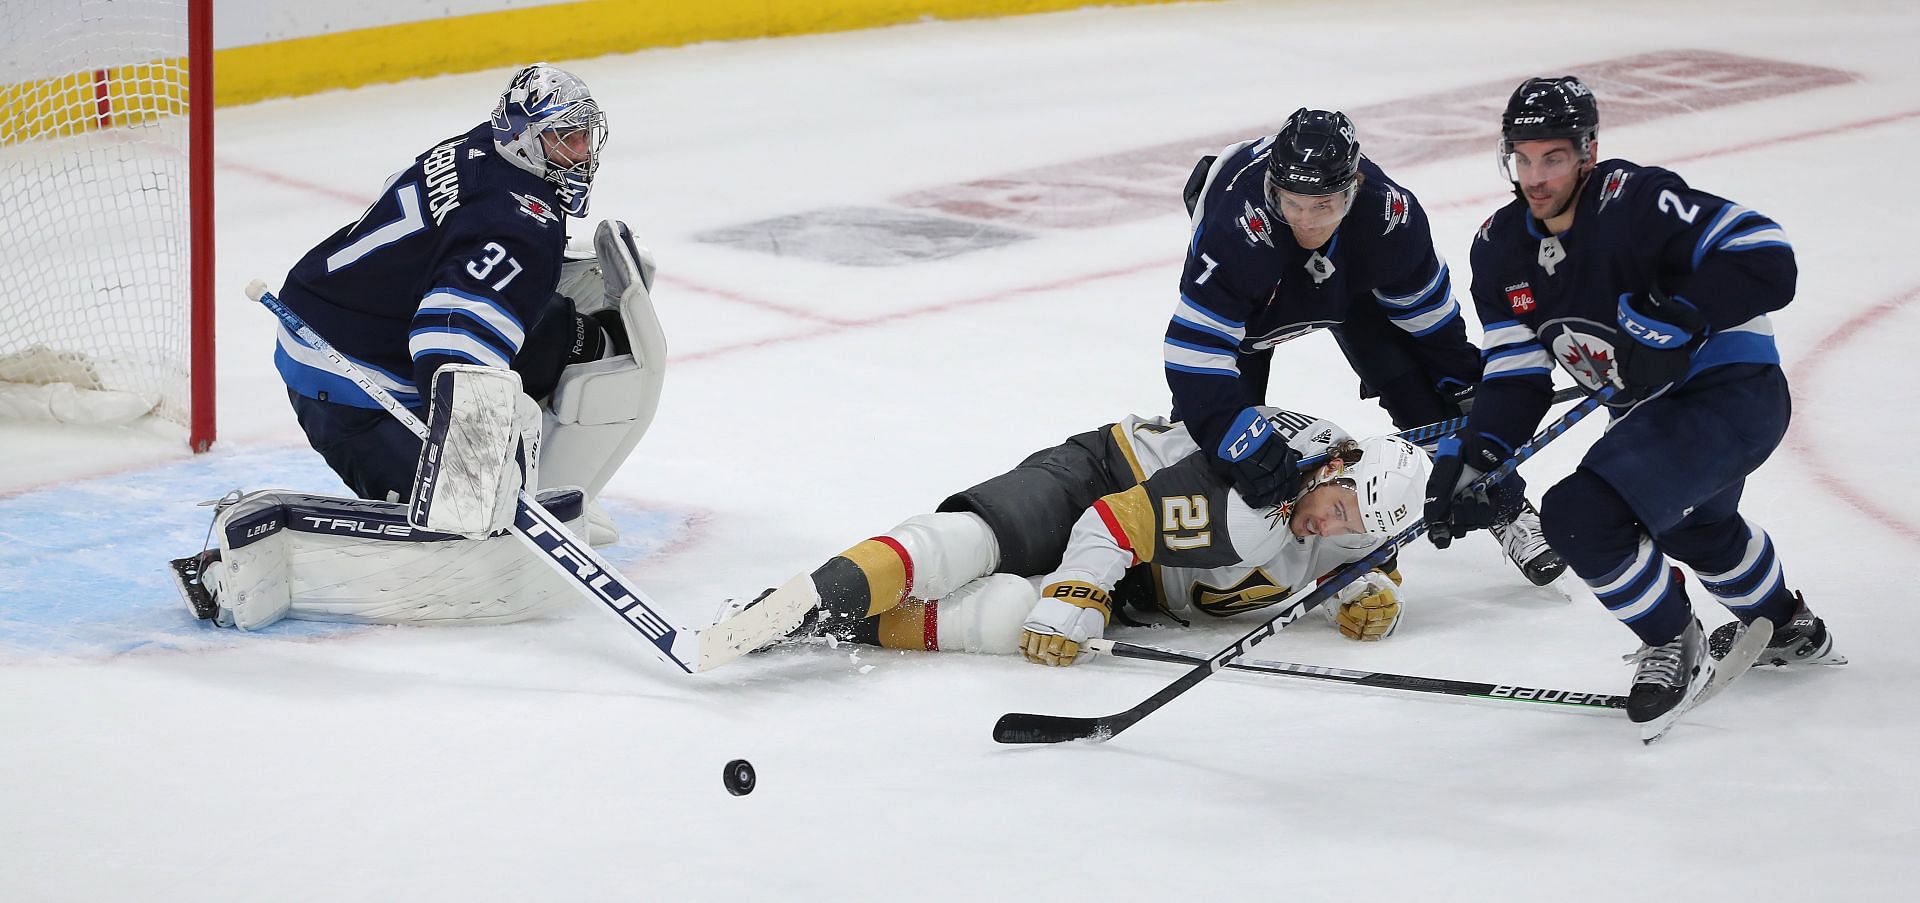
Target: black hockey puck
[738, 777]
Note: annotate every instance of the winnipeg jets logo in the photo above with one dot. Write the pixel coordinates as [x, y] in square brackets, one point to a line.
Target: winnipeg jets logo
[1254, 223]
[1520, 298]
[1551, 253]
[1396, 209]
[1615, 184]
[1589, 358]
[1319, 267]
[539, 210]
[1486, 230]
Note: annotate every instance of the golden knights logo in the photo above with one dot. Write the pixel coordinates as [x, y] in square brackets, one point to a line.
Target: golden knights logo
[1256, 590]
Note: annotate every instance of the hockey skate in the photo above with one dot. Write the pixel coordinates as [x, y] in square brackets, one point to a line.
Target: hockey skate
[1527, 547]
[1667, 680]
[1803, 640]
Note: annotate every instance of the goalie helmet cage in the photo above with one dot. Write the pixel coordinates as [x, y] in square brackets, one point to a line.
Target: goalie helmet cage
[106, 174]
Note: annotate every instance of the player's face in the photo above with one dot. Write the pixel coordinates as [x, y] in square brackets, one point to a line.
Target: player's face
[1332, 509]
[1548, 173]
[568, 149]
[1312, 217]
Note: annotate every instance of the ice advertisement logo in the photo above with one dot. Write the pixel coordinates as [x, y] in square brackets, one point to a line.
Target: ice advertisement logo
[83, 566]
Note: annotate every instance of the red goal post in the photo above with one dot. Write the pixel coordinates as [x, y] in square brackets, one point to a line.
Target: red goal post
[106, 250]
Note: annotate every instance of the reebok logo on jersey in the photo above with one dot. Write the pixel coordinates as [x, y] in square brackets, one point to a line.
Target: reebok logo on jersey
[1615, 184]
[1396, 209]
[534, 207]
[1520, 298]
[1254, 223]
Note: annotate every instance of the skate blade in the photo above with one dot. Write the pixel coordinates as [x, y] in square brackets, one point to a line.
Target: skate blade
[1745, 650]
[186, 578]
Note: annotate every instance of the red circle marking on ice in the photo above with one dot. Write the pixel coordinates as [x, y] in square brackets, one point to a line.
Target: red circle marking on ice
[1804, 373]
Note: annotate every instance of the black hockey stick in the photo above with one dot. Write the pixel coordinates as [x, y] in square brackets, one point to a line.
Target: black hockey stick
[1024, 727]
[1376, 679]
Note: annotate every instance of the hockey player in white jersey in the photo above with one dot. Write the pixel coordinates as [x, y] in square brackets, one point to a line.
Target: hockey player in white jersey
[1121, 522]
[535, 364]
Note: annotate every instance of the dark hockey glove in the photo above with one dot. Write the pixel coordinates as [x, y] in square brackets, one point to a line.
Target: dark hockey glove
[1660, 335]
[1452, 510]
[1457, 394]
[1265, 470]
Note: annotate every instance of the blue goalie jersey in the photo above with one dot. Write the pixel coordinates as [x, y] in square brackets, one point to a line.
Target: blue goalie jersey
[1548, 300]
[456, 262]
[1248, 286]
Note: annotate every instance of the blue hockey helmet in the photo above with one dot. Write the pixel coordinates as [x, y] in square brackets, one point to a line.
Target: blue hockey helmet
[1547, 108]
[548, 124]
[1315, 153]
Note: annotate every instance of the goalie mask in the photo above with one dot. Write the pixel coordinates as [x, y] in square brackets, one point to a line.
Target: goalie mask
[548, 124]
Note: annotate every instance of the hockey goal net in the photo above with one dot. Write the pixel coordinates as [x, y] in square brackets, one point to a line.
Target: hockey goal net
[106, 239]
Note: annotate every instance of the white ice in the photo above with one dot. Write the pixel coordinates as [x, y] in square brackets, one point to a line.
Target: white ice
[810, 405]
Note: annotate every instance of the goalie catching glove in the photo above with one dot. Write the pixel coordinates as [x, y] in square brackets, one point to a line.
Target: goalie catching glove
[1068, 614]
[1368, 608]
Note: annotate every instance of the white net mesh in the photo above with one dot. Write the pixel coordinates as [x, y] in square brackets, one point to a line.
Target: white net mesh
[95, 236]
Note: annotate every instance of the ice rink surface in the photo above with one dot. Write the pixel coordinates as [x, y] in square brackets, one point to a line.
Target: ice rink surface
[892, 263]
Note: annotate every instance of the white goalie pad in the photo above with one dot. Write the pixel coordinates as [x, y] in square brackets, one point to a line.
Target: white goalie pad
[482, 447]
[316, 558]
[600, 409]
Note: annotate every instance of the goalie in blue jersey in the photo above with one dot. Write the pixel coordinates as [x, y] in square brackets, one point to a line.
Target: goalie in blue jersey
[536, 364]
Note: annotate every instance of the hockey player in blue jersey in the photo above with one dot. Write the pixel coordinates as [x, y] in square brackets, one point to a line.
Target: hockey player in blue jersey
[1299, 232]
[457, 263]
[1628, 278]
[534, 366]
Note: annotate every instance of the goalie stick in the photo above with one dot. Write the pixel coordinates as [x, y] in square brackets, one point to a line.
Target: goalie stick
[1024, 727]
[592, 576]
[1378, 679]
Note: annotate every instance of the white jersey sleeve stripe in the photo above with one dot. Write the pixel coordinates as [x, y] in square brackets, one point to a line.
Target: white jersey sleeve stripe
[486, 310]
[457, 344]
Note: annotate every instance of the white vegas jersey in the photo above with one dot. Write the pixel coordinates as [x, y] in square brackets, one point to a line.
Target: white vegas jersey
[1209, 551]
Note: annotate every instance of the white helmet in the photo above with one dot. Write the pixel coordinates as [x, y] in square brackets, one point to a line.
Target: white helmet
[545, 98]
[1391, 480]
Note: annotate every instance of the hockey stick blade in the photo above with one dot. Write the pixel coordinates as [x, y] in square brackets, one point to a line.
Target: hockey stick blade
[1025, 727]
[760, 624]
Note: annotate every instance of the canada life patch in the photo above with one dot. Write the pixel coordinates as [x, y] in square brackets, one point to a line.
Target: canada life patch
[1520, 298]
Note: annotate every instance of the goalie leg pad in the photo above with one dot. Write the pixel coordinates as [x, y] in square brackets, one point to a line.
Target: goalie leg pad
[288, 555]
[482, 446]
